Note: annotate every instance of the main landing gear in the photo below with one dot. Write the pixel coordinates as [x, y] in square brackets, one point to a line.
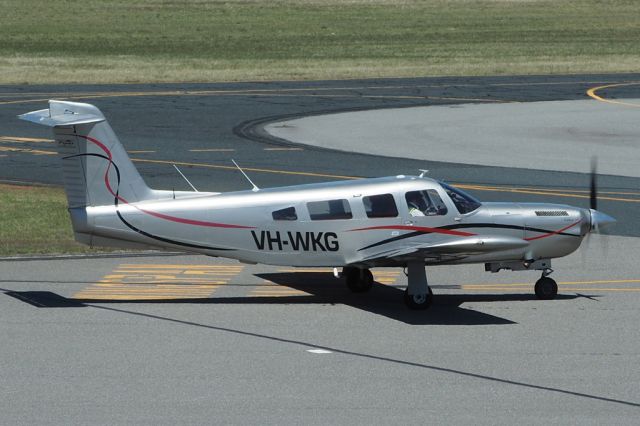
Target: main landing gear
[359, 280]
[546, 288]
[418, 295]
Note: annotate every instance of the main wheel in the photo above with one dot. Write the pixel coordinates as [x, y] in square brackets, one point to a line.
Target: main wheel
[358, 280]
[546, 288]
[418, 301]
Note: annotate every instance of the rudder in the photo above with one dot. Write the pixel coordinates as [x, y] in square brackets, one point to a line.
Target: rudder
[97, 170]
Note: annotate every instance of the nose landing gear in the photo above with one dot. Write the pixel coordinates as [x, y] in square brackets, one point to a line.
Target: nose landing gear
[546, 288]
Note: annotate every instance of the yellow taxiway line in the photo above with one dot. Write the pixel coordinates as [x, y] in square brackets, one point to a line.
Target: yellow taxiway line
[592, 93]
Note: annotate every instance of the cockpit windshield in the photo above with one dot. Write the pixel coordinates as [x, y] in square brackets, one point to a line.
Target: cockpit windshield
[464, 202]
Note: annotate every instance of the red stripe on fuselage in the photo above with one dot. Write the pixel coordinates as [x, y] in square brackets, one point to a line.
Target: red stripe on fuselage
[149, 212]
[552, 233]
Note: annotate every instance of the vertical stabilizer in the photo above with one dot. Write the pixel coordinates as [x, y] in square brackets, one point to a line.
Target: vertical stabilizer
[97, 169]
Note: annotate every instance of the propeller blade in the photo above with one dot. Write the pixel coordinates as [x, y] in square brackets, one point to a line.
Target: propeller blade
[593, 193]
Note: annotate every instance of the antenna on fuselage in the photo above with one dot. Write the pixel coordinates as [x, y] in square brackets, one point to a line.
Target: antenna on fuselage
[255, 188]
[185, 178]
[423, 172]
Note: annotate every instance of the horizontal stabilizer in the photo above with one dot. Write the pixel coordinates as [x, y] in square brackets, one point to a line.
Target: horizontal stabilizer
[61, 113]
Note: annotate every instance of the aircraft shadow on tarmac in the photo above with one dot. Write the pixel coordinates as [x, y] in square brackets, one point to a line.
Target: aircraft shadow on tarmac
[323, 288]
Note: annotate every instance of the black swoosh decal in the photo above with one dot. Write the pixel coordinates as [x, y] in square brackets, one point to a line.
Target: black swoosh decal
[132, 227]
[463, 226]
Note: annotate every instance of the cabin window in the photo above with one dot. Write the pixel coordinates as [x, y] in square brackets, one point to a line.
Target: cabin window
[464, 202]
[380, 206]
[285, 214]
[329, 210]
[425, 203]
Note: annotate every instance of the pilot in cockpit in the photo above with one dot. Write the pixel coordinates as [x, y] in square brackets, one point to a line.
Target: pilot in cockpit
[418, 203]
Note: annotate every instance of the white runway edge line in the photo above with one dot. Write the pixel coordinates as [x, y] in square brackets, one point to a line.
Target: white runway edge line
[556, 135]
[319, 351]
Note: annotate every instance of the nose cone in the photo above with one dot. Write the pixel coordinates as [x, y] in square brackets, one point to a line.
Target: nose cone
[600, 220]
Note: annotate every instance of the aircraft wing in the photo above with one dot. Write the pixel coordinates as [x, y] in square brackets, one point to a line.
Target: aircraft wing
[459, 247]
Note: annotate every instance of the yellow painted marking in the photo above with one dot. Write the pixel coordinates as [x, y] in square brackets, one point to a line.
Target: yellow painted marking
[23, 140]
[213, 150]
[546, 193]
[628, 281]
[306, 270]
[270, 289]
[27, 151]
[592, 93]
[163, 281]
[545, 190]
[565, 285]
[170, 266]
[536, 191]
[251, 169]
[298, 92]
[283, 149]
[603, 289]
[313, 92]
[385, 277]
[382, 277]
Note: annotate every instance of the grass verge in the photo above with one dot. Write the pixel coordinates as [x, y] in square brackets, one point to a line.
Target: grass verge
[107, 41]
[35, 220]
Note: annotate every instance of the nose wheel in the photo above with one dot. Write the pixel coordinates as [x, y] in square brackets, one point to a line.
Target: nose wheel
[546, 288]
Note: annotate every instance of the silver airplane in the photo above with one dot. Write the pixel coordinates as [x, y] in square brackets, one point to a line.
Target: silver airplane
[398, 221]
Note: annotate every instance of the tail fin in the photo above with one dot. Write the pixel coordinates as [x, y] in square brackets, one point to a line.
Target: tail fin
[97, 169]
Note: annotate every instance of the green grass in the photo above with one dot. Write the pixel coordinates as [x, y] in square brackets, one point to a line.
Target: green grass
[35, 220]
[196, 40]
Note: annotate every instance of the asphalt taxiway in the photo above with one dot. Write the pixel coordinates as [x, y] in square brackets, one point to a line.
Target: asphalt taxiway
[200, 127]
[183, 339]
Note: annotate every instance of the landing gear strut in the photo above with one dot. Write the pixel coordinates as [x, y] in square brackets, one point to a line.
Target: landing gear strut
[546, 288]
[358, 280]
[418, 295]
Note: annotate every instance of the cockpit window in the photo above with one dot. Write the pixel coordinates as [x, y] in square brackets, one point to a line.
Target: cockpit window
[285, 214]
[425, 203]
[464, 202]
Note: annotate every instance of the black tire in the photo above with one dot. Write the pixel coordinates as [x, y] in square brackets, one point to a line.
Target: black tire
[418, 303]
[358, 280]
[546, 288]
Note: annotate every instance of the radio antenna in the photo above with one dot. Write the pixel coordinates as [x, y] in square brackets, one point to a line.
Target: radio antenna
[185, 178]
[255, 188]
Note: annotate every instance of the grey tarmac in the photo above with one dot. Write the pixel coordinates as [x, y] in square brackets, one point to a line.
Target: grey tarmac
[82, 343]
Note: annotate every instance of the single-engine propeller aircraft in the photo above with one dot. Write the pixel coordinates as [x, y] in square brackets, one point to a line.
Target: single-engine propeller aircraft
[399, 221]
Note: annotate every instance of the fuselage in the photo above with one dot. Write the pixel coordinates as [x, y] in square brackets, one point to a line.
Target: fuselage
[336, 223]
